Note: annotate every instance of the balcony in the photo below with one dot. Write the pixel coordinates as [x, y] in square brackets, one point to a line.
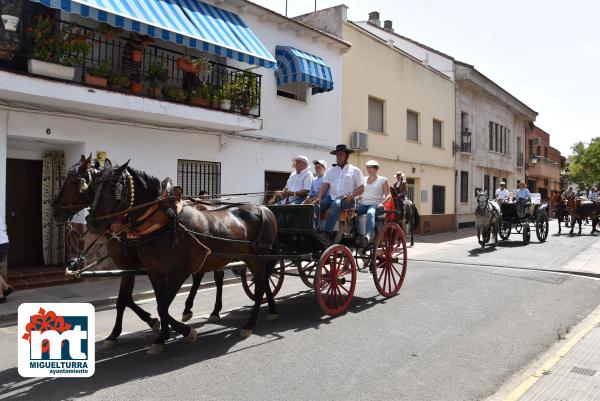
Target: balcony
[542, 167]
[124, 63]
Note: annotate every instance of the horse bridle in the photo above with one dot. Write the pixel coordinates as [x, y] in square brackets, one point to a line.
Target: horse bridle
[124, 193]
[72, 209]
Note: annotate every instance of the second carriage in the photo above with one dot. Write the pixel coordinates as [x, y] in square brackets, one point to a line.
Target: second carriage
[332, 269]
[533, 216]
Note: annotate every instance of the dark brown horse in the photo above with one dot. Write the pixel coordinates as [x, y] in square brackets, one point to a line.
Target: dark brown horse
[407, 216]
[580, 209]
[559, 206]
[74, 196]
[173, 241]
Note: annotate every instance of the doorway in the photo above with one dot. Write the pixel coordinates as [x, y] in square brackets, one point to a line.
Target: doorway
[24, 212]
[274, 181]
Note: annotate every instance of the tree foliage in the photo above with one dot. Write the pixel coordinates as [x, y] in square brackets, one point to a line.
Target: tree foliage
[585, 163]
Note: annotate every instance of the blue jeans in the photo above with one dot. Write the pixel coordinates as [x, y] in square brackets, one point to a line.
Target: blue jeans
[336, 206]
[371, 211]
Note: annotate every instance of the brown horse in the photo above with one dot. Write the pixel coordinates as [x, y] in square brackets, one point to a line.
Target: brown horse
[407, 216]
[74, 196]
[559, 206]
[173, 241]
[580, 209]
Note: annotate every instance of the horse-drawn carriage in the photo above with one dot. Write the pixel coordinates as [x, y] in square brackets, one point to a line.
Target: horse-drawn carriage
[520, 217]
[331, 270]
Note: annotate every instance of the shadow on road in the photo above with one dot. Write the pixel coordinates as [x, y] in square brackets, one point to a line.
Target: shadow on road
[481, 250]
[129, 361]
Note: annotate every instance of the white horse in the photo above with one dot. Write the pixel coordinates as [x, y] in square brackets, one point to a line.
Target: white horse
[487, 218]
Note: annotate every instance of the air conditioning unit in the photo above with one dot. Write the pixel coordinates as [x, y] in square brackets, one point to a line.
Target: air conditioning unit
[360, 141]
[536, 141]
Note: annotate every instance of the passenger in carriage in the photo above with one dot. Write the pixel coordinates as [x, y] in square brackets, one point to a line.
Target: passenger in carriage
[298, 184]
[502, 193]
[320, 169]
[344, 183]
[523, 198]
[375, 195]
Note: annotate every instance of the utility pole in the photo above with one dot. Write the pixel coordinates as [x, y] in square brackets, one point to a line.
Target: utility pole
[286, 7]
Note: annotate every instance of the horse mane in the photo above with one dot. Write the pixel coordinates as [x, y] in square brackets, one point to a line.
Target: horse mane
[148, 181]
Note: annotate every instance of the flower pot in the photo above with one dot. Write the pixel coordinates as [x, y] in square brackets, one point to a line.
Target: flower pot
[137, 88]
[245, 110]
[92, 80]
[50, 69]
[225, 104]
[137, 55]
[10, 22]
[187, 66]
[200, 101]
[154, 92]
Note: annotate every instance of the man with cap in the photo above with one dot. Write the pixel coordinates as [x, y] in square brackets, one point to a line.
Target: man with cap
[344, 183]
[320, 169]
[298, 184]
[502, 193]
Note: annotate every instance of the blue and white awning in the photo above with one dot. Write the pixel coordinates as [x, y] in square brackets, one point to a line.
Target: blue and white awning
[190, 23]
[295, 65]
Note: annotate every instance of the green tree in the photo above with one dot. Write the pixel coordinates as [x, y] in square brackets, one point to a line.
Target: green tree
[585, 163]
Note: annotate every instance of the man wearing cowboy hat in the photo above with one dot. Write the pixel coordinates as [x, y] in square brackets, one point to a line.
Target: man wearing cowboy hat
[298, 184]
[344, 183]
[400, 184]
[502, 193]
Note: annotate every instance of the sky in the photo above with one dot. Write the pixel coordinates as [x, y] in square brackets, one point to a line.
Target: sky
[544, 52]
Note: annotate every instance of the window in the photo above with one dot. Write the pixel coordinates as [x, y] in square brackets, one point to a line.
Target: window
[439, 200]
[499, 138]
[496, 137]
[486, 183]
[437, 133]
[412, 125]
[502, 139]
[491, 139]
[195, 176]
[410, 183]
[464, 124]
[546, 152]
[495, 184]
[504, 180]
[376, 115]
[464, 186]
[294, 90]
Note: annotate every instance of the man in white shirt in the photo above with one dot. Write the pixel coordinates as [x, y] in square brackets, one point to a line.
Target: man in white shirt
[344, 182]
[502, 193]
[298, 184]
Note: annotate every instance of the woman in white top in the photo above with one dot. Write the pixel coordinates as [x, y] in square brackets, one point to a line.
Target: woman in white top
[5, 289]
[375, 194]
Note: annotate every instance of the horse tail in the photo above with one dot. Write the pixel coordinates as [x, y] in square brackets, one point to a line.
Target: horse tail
[267, 234]
[416, 216]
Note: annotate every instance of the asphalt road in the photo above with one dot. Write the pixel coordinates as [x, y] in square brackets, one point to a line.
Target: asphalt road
[455, 332]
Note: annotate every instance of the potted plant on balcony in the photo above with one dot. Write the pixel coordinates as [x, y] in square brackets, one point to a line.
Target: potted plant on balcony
[248, 92]
[66, 46]
[109, 32]
[201, 94]
[98, 75]
[175, 94]
[157, 75]
[118, 81]
[11, 13]
[194, 66]
[226, 95]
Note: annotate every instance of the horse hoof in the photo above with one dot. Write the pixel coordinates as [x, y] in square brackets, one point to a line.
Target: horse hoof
[272, 316]
[156, 349]
[155, 326]
[213, 318]
[191, 337]
[245, 333]
[186, 316]
[109, 344]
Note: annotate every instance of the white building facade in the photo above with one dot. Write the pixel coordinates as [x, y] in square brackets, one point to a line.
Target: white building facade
[199, 148]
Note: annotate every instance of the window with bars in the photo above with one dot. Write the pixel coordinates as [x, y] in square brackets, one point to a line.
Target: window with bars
[464, 186]
[439, 200]
[499, 138]
[410, 192]
[195, 176]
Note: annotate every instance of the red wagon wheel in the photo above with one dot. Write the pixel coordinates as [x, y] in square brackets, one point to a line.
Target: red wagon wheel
[336, 279]
[306, 271]
[275, 281]
[389, 260]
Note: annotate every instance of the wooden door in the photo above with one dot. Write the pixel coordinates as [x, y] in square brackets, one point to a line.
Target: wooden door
[274, 181]
[24, 212]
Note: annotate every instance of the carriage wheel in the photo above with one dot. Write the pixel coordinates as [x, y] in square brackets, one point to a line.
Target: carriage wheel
[336, 279]
[541, 228]
[505, 230]
[306, 271]
[275, 281]
[390, 260]
[526, 234]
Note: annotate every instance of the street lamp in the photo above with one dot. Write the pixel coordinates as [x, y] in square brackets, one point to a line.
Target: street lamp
[534, 159]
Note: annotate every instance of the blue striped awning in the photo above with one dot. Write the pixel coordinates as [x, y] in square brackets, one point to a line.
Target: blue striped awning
[295, 65]
[190, 23]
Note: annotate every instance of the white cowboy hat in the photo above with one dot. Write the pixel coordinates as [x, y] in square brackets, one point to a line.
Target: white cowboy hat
[400, 173]
[372, 163]
[321, 162]
[503, 183]
[300, 157]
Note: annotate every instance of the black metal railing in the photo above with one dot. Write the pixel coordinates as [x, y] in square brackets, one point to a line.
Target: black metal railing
[161, 73]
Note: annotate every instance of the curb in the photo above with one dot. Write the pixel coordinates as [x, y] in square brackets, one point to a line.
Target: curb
[10, 319]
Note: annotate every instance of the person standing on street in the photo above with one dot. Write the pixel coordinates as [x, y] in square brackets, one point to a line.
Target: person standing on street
[5, 289]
